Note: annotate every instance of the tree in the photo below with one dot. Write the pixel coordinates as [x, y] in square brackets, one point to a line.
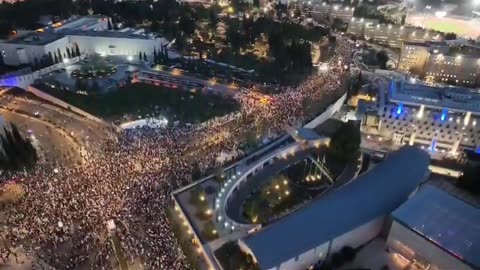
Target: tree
[60, 57]
[36, 63]
[139, 56]
[180, 42]
[77, 50]
[219, 177]
[165, 53]
[155, 56]
[95, 87]
[251, 139]
[450, 36]
[187, 24]
[345, 142]
[18, 152]
[337, 260]
[198, 196]
[382, 58]
[470, 179]
[69, 55]
[155, 26]
[145, 57]
[79, 84]
[214, 15]
[209, 231]
[196, 172]
[110, 27]
[348, 253]
[51, 59]
[55, 58]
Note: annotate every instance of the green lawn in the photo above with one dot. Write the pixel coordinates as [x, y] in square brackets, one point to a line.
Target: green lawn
[445, 27]
[141, 99]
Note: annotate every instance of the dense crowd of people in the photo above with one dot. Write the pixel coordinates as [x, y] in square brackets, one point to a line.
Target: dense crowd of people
[63, 218]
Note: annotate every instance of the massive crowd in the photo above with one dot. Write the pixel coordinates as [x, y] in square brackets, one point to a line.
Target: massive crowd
[63, 218]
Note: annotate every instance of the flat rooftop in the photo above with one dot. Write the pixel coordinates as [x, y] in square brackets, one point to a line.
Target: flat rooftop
[34, 38]
[445, 221]
[79, 23]
[379, 192]
[456, 98]
[109, 34]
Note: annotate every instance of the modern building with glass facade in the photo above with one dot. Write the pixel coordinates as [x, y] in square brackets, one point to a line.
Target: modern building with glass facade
[437, 231]
[439, 119]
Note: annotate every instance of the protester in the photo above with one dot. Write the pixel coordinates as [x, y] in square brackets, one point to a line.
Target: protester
[63, 218]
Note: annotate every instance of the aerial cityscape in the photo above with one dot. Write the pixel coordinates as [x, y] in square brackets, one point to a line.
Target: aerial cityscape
[240, 134]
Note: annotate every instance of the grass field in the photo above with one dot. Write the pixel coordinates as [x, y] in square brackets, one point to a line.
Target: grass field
[138, 100]
[464, 27]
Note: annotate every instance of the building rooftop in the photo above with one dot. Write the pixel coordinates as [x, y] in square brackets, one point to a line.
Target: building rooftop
[454, 98]
[379, 191]
[34, 38]
[110, 34]
[80, 23]
[445, 221]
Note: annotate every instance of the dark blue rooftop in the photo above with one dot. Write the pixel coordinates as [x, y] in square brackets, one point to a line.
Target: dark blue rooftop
[444, 220]
[374, 194]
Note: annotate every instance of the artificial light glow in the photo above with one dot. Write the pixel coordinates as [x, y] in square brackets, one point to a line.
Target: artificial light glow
[66, 61]
[130, 58]
[440, 14]
[400, 108]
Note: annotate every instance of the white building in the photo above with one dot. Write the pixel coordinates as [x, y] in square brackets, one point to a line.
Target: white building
[89, 33]
[437, 61]
[441, 119]
[350, 216]
[390, 34]
[324, 11]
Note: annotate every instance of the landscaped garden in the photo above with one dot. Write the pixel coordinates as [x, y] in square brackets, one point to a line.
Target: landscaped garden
[231, 257]
[299, 183]
[93, 71]
[134, 101]
[293, 186]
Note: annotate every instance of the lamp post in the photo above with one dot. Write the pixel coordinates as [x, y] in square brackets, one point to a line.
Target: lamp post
[475, 5]
[425, 15]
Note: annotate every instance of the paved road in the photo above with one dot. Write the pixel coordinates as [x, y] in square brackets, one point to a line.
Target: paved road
[52, 143]
[88, 133]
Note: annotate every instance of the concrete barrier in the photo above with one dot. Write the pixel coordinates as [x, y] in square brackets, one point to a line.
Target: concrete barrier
[328, 113]
[64, 105]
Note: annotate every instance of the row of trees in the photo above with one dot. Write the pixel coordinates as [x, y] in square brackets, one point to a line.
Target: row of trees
[345, 142]
[54, 58]
[160, 57]
[17, 153]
